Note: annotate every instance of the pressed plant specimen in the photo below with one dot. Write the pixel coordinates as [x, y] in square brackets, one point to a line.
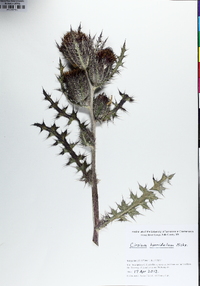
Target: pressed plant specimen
[86, 67]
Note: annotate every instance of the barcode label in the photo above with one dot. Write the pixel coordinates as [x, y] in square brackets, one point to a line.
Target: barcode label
[13, 5]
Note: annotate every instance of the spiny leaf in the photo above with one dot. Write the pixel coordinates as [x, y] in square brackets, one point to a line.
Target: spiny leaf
[133, 197]
[125, 209]
[145, 206]
[132, 213]
[70, 161]
[64, 134]
[112, 114]
[143, 189]
[100, 43]
[61, 67]
[63, 151]
[67, 147]
[87, 177]
[119, 60]
[123, 206]
[56, 142]
[73, 144]
[152, 197]
[158, 186]
[113, 212]
[168, 179]
[123, 218]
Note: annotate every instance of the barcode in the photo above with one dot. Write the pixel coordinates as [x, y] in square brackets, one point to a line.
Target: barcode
[12, 7]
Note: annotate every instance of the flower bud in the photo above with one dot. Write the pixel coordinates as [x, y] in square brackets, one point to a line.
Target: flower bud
[100, 66]
[101, 107]
[106, 56]
[76, 87]
[76, 48]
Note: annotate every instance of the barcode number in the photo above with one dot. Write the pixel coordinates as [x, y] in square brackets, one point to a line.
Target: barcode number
[12, 7]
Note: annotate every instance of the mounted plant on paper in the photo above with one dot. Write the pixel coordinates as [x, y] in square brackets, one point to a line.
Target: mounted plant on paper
[87, 66]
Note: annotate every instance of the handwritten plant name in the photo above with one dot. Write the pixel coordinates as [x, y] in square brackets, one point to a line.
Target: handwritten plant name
[157, 245]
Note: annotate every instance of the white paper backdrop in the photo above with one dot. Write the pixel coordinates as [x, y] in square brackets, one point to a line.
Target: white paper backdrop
[45, 213]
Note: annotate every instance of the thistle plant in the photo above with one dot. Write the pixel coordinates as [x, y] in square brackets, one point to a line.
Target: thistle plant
[87, 65]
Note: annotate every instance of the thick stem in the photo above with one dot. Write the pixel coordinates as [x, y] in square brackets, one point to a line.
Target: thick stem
[95, 199]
